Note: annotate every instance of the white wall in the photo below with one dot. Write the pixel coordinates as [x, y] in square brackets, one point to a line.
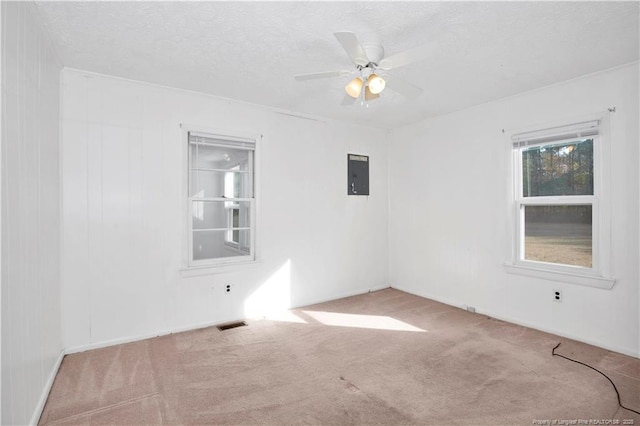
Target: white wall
[449, 206]
[31, 336]
[123, 211]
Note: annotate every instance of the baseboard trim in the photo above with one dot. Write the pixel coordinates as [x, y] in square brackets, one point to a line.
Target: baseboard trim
[137, 338]
[47, 388]
[341, 296]
[480, 310]
[608, 347]
[196, 326]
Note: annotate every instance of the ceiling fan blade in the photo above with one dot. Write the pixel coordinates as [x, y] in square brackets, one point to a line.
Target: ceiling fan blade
[347, 100]
[410, 56]
[403, 87]
[326, 74]
[354, 49]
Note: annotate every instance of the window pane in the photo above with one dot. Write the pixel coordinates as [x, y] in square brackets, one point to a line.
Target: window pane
[220, 214]
[558, 234]
[206, 184]
[213, 245]
[218, 184]
[558, 169]
[214, 157]
[214, 170]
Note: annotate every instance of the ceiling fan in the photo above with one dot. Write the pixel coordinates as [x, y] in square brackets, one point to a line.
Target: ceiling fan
[369, 61]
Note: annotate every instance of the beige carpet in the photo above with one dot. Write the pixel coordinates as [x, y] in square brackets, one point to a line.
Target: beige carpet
[386, 357]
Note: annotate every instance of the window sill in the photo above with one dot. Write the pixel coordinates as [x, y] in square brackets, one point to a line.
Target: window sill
[566, 277]
[221, 268]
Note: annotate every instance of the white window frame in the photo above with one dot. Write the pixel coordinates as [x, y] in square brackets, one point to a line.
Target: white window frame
[192, 267]
[597, 128]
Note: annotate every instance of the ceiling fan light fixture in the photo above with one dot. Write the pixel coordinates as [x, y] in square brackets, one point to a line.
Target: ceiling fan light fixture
[376, 83]
[354, 87]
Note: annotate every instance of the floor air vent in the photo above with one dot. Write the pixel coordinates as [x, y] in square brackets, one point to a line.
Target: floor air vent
[231, 325]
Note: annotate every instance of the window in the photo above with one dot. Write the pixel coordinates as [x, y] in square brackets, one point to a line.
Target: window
[221, 202]
[559, 220]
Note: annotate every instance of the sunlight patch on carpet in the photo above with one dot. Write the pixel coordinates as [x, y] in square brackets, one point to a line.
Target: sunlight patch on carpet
[377, 322]
[284, 316]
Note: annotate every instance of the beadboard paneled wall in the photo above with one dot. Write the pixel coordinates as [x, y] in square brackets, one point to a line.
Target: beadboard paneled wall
[31, 334]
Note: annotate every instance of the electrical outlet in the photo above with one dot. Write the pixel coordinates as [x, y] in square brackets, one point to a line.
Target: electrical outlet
[228, 288]
[557, 295]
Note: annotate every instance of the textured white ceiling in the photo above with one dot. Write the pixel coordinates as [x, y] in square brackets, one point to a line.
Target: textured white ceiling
[250, 51]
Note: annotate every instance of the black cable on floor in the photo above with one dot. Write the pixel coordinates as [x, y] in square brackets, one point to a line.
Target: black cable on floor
[553, 353]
